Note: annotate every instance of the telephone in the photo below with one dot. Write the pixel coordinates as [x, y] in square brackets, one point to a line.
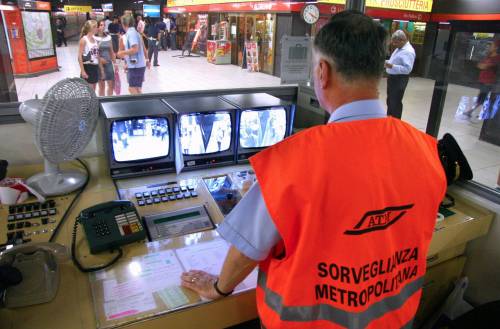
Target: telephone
[29, 273]
[111, 224]
[108, 226]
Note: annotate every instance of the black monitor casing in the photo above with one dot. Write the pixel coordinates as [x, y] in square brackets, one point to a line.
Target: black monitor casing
[257, 102]
[204, 105]
[136, 109]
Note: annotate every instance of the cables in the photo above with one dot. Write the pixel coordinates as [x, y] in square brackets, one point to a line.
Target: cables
[75, 259]
[77, 196]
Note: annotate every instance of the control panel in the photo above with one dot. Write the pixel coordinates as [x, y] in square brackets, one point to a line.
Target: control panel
[31, 221]
[179, 222]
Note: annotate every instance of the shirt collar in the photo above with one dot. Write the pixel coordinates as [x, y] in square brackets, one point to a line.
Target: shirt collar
[359, 110]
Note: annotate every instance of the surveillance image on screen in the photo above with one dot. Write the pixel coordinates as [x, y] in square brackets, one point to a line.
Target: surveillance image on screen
[140, 139]
[205, 133]
[262, 128]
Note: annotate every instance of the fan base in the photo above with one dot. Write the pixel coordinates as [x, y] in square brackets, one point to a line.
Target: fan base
[57, 183]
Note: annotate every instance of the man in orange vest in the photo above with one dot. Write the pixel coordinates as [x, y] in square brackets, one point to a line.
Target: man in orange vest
[342, 215]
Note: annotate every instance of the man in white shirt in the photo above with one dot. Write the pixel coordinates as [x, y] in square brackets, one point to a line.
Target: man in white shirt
[398, 68]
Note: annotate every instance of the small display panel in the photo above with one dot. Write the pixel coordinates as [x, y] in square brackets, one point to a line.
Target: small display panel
[140, 139]
[262, 128]
[224, 192]
[203, 133]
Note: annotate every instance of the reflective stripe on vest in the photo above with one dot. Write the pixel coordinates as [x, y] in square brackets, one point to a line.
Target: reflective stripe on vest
[352, 320]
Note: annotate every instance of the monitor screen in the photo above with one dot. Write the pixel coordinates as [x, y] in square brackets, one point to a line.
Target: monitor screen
[263, 127]
[203, 133]
[107, 7]
[151, 10]
[140, 139]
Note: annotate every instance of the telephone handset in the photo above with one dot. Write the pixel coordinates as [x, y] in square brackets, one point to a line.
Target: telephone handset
[108, 226]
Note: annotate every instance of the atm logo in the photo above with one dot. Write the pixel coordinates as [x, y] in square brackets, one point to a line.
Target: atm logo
[376, 220]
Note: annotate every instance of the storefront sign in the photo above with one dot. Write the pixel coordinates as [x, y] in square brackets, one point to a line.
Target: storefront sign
[411, 5]
[296, 59]
[176, 3]
[398, 14]
[78, 9]
[268, 6]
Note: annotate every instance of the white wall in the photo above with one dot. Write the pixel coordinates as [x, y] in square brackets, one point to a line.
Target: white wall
[483, 258]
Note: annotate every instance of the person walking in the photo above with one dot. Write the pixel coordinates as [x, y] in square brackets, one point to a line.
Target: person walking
[88, 53]
[163, 29]
[154, 35]
[106, 59]
[133, 50]
[114, 31]
[488, 70]
[173, 34]
[337, 258]
[398, 68]
[60, 26]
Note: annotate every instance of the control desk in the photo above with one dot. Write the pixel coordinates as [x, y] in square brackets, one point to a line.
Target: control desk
[80, 301]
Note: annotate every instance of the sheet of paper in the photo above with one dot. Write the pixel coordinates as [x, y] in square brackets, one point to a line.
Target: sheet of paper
[135, 304]
[160, 270]
[209, 257]
[205, 256]
[150, 273]
[173, 297]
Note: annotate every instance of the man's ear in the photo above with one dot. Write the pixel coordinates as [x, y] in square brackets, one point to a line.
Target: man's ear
[325, 71]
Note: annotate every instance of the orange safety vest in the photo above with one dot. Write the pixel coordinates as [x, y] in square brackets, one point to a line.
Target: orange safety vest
[355, 204]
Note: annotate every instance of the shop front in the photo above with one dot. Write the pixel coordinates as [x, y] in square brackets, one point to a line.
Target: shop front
[242, 24]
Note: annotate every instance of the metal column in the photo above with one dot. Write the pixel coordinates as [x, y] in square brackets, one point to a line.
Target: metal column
[355, 5]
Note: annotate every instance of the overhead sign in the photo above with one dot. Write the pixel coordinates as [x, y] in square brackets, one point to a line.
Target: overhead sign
[410, 5]
[78, 9]
[177, 3]
[295, 59]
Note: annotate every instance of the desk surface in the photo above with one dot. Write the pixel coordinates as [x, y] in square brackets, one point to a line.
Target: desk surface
[73, 306]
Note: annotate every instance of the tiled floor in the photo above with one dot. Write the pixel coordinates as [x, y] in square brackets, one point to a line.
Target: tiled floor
[180, 74]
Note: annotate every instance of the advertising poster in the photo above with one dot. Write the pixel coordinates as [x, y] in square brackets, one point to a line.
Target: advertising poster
[38, 34]
[252, 56]
[219, 52]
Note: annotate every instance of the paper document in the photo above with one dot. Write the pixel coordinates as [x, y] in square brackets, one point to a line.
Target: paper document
[209, 257]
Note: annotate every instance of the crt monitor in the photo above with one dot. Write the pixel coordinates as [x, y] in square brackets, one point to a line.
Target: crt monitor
[206, 130]
[263, 120]
[139, 137]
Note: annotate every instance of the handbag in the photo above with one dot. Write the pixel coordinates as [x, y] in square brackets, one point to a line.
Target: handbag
[86, 58]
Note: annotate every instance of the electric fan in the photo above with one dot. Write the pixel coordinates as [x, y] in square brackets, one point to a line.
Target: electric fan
[64, 121]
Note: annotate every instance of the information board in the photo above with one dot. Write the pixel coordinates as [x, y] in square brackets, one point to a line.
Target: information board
[296, 59]
[38, 34]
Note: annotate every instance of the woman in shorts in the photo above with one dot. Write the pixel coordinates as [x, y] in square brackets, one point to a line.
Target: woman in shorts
[88, 53]
[107, 57]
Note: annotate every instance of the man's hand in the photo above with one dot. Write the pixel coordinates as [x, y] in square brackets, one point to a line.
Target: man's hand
[388, 65]
[121, 54]
[201, 282]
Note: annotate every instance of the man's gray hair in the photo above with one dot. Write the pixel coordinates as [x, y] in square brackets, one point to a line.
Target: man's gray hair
[128, 20]
[399, 35]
